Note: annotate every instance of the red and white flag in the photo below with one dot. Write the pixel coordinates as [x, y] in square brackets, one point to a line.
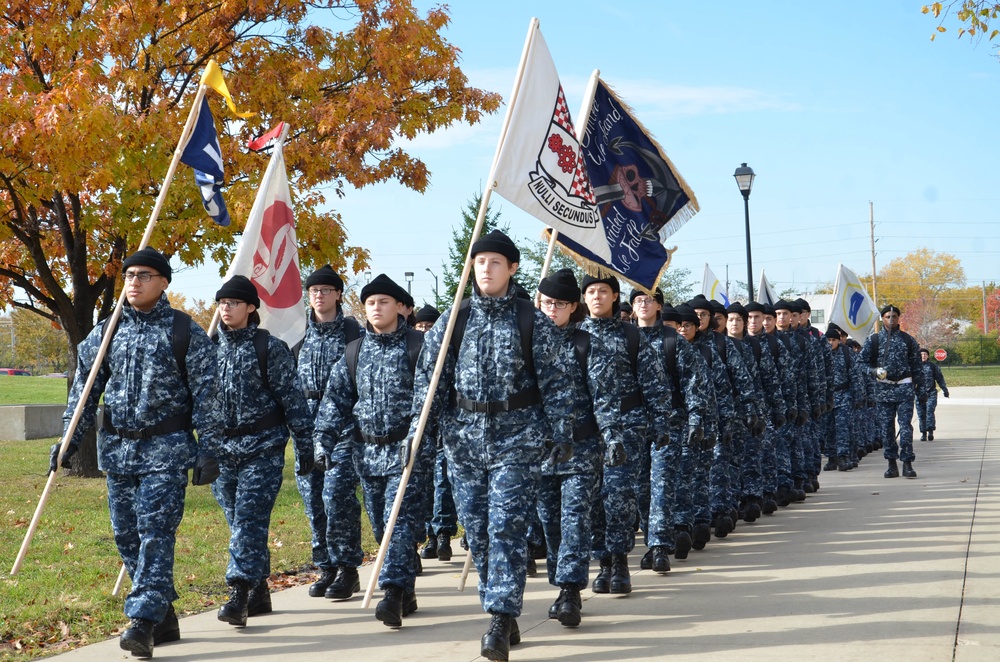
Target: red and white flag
[269, 254]
[539, 166]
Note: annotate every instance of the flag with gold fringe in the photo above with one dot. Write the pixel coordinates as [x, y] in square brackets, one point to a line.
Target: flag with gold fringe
[641, 197]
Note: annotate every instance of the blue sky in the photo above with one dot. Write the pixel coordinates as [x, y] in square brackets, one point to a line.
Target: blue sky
[832, 105]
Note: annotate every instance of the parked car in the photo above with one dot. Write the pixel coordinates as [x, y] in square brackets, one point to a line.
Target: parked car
[14, 372]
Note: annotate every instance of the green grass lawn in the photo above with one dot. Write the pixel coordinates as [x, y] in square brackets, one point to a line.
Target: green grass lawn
[972, 375]
[62, 595]
[32, 390]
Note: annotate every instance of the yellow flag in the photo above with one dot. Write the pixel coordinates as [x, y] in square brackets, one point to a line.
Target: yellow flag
[213, 78]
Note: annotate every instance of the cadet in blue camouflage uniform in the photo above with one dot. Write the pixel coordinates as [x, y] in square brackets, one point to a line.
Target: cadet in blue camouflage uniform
[896, 362]
[505, 406]
[146, 444]
[645, 414]
[791, 486]
[822, 366]
[258, 415]
[845, 396]
[687, 384]
[369, 416]
[569, 490]
[932, 377]
[329, 493]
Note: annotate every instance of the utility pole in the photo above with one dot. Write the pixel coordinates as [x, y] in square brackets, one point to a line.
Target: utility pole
[986, 328]
[871, 223]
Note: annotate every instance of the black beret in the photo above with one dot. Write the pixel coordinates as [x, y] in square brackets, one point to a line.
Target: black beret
[737, 307]
[625, 306]
[836, 328]
[610, 281]
[670, 314]
[407, 299]
[657, 294]
[889, 308]
[769, 309]
[686, 313]
[781, 304]
[700, 302]
[833, 333]
[497, 242]
[240, 288]
[717, 307]
[325, 275]
[754, 307]
[149, 257]
[520, 292]
[428, 314]
[803, 305]
[561, 285]
[382, 284]
[924, 350]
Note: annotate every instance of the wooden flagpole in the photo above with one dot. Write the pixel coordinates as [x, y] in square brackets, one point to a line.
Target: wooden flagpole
[449, 330]
[109, 331]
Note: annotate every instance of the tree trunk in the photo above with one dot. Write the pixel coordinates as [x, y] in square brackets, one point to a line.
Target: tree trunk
[84, 463]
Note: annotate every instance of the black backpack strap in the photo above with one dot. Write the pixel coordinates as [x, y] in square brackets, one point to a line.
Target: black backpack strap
[461, 321]
[670, 352]
[873, 353]
[414, 343]
[706, 351]
[755, 346]
[525, 326]
[632, 343]
[351, 354]
[772, 342]
[720, 344]
[352, 330]
[180, 339]
[581, 347]
[260, 348]
[296, 348]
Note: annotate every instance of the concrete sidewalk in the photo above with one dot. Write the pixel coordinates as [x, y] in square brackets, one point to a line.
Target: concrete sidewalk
[865, 569]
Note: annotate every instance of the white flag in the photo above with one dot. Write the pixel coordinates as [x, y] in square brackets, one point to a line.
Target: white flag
[269, 255]
[765, 293]
[712, 288]
[538, 165]
[852, 309]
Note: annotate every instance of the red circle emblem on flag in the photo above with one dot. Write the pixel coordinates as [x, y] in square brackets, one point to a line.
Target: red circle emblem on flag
[276, 261]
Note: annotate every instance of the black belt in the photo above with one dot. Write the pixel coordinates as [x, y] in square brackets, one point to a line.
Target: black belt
[526, 398]
[588, 428]
[399, 434]
[313, 395]
[172, 424]
[273, 419]
[630, 402]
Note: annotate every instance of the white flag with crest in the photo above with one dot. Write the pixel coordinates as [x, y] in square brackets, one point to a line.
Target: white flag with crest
[712, 288]
[852, 309]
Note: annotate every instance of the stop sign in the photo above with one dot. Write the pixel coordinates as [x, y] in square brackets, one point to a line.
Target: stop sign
[940, 355]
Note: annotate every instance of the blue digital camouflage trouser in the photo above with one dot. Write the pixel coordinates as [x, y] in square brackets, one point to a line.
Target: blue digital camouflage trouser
[146, 510]
[343, 513]
[796, 450]
[664, 483]
[768, 460]
[642, 494]
[903, 411]
[784, 442]
[752, 466]
[692, 502]
[246, 489]
[613, 526]
[445, 518]
[494, 506]
[925, 412]
[311, 488]
[842, 432]
[399, 568]
[719, 477]
[564, 505]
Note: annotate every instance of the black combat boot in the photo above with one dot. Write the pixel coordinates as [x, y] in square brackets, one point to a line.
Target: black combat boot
[682, 543]
[168, 629]
[500, 637]
[569, 609]
[259, 601]
[769, 505]
[389, 609]
[409, 603]
[808, 485]
[908, 471]
[602, 582]
[554, 608]
[661, 560]
[844, 464]
[318, 588]
[923, 436]
[831, 464]
[621, 581]
[723, 525]
[234, 611]
[892, 471]
[430, 549]
[138, 637]
[531, 569]
[646, 563]
[702, 534]
[345, 585]
[930, 435]
[753, 510]
[444, 547]
[798, 493]
[783, 497]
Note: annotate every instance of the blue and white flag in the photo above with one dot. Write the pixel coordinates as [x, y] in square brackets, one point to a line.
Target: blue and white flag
[852, 309]
[712, 288]
[765, 293]
[204, 155]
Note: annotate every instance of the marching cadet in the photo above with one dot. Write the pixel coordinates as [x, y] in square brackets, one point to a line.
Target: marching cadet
[366, 412]
[799, 442]
[261, 401]
[645, 415]
[158, 381]
[894, 357]
[568, 490]
[503, 392]
[822, 366]
[846, 394]
[692, 506]
[932, 377]
[329, 491]
[687, 384]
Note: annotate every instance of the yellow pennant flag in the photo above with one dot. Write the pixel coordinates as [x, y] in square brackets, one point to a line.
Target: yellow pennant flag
[213, 78]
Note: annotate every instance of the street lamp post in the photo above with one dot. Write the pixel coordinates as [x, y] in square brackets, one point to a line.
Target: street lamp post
[428, 270]
[409, 279]
[744, 179]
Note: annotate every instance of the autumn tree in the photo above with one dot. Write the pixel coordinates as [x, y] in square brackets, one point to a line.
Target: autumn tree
[923, 273]
[929, 322]
[200, 311]
[977, 18]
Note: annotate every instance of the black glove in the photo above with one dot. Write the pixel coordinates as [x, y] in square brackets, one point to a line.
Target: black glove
[946, 393]
[816, 412]
[803, 417]
[405, 450]
[560, 453]
[661, 440]
[70, 452]
[319, 461]
[304, 464]
[778, 420]
[792, 415]
[695, 435]
[206, 470]
[615, 455]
